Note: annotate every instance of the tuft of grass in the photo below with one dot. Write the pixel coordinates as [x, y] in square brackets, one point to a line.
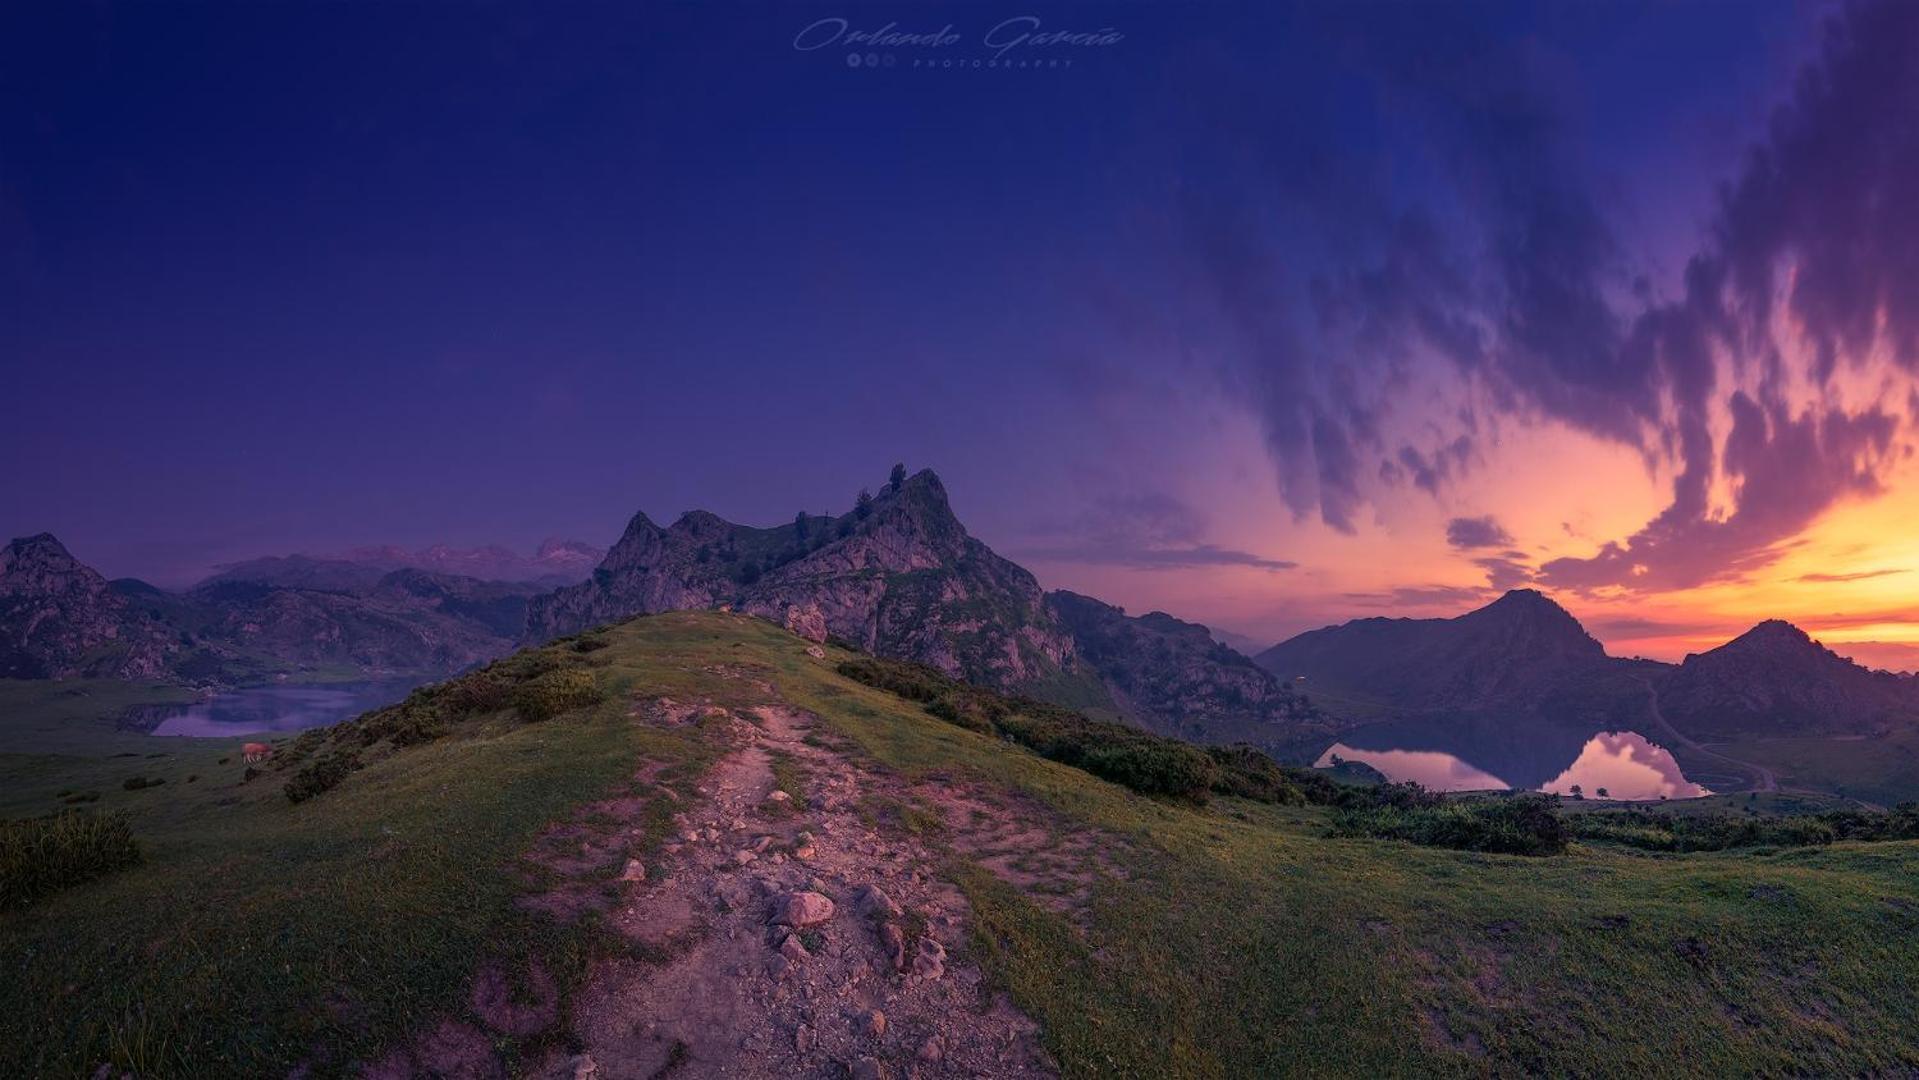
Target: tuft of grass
[40, 856]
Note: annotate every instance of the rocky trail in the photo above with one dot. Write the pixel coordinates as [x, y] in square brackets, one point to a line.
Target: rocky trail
[795, 923]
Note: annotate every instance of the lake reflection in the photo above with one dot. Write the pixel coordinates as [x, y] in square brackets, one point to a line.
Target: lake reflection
[267, 709]
[1622, 763]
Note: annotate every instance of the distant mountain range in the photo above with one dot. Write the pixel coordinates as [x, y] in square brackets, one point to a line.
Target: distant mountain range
[899, 576]
[1523, 657]
[556, 562]
[60, 618]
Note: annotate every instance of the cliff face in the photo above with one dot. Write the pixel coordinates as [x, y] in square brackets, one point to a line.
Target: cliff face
[59, 619]
[898, 576]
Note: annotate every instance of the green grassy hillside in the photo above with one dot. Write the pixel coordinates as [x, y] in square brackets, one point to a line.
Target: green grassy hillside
[1230, 939]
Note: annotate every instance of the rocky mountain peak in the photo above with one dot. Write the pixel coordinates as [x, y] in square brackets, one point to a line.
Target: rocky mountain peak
[1771, 635]
[42, 551]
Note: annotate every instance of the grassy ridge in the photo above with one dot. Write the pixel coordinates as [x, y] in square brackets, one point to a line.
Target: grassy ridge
[259, 934]
[1241, 941]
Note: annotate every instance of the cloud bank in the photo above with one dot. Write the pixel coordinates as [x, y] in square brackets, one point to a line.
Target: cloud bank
[1771, 381]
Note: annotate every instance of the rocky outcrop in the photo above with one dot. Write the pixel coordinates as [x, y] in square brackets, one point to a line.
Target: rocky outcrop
[1171, 677]
[897, 576]
[60, 618]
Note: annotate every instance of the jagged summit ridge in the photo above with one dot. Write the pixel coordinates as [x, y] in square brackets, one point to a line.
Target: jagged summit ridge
[897, 574]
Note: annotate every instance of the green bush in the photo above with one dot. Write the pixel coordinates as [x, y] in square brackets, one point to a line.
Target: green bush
[1160, 767]
[1527, 824]
[1248, 773]
[42, 855]
[324, 774]
[554, 693]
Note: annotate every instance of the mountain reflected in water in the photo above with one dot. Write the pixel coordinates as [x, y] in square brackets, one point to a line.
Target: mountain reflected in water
[1463, 755]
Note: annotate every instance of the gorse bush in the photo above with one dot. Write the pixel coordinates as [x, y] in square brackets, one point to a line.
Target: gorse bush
[42, 855]
[555, 692]
[323, 774]
[1527, 824]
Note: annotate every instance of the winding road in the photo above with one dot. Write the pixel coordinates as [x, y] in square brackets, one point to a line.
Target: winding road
[1763, 778]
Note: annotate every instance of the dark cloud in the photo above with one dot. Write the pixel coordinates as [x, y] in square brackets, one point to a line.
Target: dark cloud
[1149, 531]
[1526, 294]
[1477, 532]
[1506, 572]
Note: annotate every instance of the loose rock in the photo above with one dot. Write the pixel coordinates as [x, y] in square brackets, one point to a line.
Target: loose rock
[801, 909]
[873, 901]
[635, 871]
[873, 1024]
[931, 961]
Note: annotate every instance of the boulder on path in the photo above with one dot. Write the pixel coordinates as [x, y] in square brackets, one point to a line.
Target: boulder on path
[931, 961]
[794, 949]
[872, 901]
[800, 909]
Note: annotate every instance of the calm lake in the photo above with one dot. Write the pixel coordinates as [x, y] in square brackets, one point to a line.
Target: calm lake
[268, 709]
[1445, 757]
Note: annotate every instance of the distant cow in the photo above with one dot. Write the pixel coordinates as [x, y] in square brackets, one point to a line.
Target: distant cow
[255, 751]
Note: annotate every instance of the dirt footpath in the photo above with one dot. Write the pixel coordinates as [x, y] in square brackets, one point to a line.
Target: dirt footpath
[803, 934]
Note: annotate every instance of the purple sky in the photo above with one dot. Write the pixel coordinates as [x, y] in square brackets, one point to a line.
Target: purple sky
[1265, 314]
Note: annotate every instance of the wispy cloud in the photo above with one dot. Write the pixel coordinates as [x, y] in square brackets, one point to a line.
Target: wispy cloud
[1860, 575]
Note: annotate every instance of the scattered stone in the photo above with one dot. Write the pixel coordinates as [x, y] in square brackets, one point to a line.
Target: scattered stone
[873, 1023]
[584, 1067]
[871, 900]
[794, 949]
[816, 652]
[744, 857]
[762, 843]
[932, 1050]
[690, 836]
[867, 1068]
[635, 871]
[779, 796]
[895, 941]
[801, 909]
[931, 961]
[803, 1039]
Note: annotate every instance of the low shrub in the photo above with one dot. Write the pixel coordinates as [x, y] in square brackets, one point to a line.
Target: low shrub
[1526, 824]
[1160, 767]
[1656, 830]
[135, 783]
[42, 855]
[322, 775]
[555, 692]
